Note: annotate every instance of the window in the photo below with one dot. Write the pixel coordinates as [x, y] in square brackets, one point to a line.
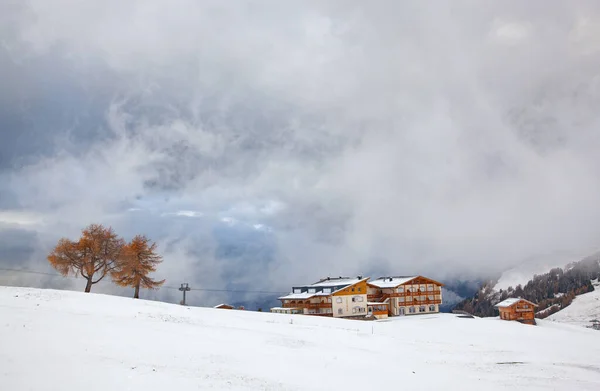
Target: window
[401, 299]
[525, 306]
[352, 289]
[422, 308]
[311, 290]
[297, 290]
[430, 287]
[354, 310]
[401, 289]
[359, 289]
[339, 311]
[432, 308]
[326, 290]
[338, 300]
[411, 310]
[430, 297]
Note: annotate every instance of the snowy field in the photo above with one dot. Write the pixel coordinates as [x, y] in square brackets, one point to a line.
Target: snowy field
[68, 341]
[582, 310]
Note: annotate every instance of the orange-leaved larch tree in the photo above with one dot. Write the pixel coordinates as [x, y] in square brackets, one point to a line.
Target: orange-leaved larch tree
[139, 259]
[93, 256]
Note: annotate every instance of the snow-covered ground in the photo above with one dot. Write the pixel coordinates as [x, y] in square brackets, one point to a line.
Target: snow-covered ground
[582, 310]
[68, 341]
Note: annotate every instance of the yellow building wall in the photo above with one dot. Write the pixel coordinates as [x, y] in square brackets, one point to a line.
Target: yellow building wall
[350, 301]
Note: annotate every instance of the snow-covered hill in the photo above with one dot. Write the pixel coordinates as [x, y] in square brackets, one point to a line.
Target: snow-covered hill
[68, 341]
[541, 264]
[582, 310]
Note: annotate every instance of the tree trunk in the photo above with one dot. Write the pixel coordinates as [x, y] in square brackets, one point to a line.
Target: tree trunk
[136, 295]
[88, 286]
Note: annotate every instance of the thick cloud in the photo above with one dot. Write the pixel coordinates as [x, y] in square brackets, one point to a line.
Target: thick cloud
[268, 143]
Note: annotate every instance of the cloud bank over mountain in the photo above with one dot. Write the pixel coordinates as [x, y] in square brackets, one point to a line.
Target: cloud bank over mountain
[263, 142]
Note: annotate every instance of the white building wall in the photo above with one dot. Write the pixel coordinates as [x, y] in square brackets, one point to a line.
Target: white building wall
[344, 306]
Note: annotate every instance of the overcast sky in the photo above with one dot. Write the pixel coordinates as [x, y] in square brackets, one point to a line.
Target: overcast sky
[271, 143]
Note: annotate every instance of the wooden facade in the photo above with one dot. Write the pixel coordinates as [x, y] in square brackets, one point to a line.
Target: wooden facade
[406, 295]
[517, 309]
[378, 310]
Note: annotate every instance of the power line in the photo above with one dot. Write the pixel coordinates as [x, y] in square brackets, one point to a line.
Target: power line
[35, 272]
[226, 290]
[163, 287]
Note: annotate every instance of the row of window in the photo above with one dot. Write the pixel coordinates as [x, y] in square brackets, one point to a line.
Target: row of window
[422, 308]
[419, 289]
[354, 299]
[325, 290]
[355, 310]
[417, 298]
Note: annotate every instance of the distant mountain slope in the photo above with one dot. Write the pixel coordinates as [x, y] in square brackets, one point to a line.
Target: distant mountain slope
[524, 272]
[583, 309]
[552, 291]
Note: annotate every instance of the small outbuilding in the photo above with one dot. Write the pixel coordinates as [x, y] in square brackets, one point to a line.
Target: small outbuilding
[224, 307]
[517, 309]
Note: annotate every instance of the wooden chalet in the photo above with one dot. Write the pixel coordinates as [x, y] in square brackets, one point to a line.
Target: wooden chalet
[517, 309]
[406, 295]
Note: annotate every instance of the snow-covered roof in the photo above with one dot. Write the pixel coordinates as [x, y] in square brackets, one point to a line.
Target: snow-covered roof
[512, 301]
[299, 296]
[304, 295]
[336, 282]
[391, 282]
[324, 287]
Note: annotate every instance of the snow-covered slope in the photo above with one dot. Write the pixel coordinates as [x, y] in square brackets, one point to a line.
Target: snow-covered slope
[67, 341]
[582, 310]
[524, 272]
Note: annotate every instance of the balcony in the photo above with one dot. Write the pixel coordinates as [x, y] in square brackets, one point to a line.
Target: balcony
[419, 302]
[294, 305]
[306, 305]
[319, 305]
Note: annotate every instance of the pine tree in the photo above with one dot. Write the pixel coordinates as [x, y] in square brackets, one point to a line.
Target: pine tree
[93, 256]
[138, 260]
